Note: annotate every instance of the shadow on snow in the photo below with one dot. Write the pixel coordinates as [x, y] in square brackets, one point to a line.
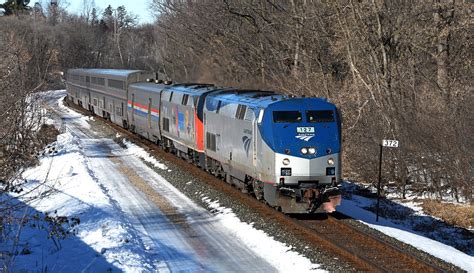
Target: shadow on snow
[397, 216]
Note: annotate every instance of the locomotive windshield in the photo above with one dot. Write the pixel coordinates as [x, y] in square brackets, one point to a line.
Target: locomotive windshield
[320, 116]
[286, 116]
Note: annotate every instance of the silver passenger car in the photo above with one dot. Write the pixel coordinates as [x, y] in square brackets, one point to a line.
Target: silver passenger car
[104, 91]
[144, 109]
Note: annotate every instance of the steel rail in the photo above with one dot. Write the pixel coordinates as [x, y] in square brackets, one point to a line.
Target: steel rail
[302, 229]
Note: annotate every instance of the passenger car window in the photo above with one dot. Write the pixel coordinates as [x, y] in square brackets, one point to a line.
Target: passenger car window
[320, 116]
[101, 81]
[287, 116]
[116, 84]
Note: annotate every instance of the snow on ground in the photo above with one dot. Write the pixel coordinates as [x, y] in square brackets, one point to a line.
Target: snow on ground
[410, 195]
[119, 232]
[141, 153]
[260, 241]
[70, 115]
[409, 224]
[86, 180]
[101, 230]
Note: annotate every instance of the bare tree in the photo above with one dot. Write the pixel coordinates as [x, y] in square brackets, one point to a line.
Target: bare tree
[393, 69]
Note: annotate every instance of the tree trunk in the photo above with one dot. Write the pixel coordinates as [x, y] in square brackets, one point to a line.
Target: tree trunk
[443, 17]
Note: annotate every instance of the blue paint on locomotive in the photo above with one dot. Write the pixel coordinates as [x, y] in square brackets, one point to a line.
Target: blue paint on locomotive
[316, 124]
[290, 137]
[284, 137]
[281, 137]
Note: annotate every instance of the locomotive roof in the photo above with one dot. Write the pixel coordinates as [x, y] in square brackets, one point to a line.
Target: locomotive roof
[250, 97]
[193, 88]
[231, 94]
[105, 72]
[257, 98]
[147, 86]
[188, 88]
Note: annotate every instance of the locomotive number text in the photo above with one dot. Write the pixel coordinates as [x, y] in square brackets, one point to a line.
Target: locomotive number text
[304, 130]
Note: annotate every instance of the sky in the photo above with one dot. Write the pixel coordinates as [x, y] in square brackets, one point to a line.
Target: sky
[140, 8]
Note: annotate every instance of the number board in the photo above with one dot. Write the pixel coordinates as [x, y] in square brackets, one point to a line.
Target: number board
[390, 143]
[304, 130]
[285, 171]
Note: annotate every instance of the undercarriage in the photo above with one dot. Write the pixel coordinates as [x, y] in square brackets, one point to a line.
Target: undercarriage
[311, 200]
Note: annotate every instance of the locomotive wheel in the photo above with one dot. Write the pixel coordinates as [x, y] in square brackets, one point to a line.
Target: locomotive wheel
[257, 189]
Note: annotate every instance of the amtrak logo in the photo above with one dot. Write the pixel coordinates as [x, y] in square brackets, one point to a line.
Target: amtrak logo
[246, 141]
[305, 138]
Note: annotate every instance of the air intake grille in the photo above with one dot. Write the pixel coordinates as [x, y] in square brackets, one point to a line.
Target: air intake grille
[211, 141]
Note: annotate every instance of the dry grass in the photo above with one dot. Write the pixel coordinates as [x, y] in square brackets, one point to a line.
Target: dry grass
[47, 134]
[459, 215]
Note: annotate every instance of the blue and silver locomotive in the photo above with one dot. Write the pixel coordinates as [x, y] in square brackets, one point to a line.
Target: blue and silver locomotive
[284, 150]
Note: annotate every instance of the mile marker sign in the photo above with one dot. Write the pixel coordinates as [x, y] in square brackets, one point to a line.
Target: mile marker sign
[390, 143]
[385, 143]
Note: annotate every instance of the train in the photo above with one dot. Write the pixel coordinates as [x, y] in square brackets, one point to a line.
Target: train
[282, 149]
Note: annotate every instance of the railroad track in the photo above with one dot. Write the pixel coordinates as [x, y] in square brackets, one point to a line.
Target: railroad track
[363, 251]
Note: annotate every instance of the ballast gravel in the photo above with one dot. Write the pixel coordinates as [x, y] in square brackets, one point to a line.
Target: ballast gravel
[195, 189]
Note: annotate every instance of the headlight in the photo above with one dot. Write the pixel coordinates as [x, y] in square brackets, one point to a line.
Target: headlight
[312, 150]
[286, 162]
[331, 161]
[304, 150]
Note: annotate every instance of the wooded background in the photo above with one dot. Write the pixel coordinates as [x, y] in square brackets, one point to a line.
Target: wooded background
[396, 69]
